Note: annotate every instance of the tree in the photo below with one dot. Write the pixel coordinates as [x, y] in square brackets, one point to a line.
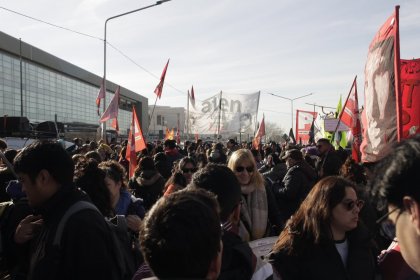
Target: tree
[273, 132]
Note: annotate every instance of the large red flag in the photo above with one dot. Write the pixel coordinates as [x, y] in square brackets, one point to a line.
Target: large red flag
[350, 117]
[112, 111]
[304, 120]
[135, 143]
[381, 116]
[410, 104]
[260, 133]
[101, 95]
[158, 89]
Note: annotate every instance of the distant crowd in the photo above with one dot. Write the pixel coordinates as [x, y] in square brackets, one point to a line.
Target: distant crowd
[195, 211]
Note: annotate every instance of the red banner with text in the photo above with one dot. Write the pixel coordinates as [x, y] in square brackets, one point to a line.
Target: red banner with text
[410, 99]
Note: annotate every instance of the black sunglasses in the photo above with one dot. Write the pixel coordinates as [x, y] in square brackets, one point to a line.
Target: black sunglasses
[384, 217]
[353, 203]
[190, 170]
[249, 169]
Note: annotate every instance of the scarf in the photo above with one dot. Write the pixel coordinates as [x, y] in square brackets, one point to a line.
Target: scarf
[254, 213]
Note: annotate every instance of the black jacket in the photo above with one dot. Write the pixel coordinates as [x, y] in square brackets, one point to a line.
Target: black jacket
[147, 186]
[294, 188]
[322, 261]
[85, 249]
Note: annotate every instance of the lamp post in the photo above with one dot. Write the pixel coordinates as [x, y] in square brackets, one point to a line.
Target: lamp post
[291, 102]
[106, 21]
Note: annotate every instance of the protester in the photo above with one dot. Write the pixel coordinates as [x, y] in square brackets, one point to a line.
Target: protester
[238, 260]
[329, 163]
[91, 179]
[147, 183]
[296, 184]
[122, 201]
[188, 222]
[324, 239]
[175, 183]
[398, 186]
[46, 173]
[172, 153]
[187, 166]
[257, 201]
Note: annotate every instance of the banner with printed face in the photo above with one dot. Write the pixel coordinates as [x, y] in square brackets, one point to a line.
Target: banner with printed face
[410, 100]
[380, 116]
[225, 113]
[304, 121]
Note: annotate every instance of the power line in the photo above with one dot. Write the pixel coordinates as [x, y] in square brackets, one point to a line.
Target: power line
[57, 26]
[94, 37]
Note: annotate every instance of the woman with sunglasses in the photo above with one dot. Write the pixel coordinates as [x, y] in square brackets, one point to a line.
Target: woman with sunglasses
[187, 166]
[255, 203]
[324, 239]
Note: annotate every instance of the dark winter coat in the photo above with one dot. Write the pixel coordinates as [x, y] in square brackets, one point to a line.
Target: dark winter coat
[323, 262]
[85, 252]
[294, 188]
[148, 186]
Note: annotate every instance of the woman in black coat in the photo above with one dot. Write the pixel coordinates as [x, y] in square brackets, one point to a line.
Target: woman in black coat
[324, 239]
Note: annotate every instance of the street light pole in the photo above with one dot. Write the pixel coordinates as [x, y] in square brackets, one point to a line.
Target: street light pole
[106, 21]
[291, 102]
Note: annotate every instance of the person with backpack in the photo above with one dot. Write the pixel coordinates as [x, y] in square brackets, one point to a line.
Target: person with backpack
[85, 250]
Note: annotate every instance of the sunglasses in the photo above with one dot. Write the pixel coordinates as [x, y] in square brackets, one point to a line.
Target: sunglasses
[249, 169]
[189, 170]
[353, 203]
[385, 217]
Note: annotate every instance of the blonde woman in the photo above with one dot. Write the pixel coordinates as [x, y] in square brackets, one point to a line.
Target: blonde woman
[254, 209]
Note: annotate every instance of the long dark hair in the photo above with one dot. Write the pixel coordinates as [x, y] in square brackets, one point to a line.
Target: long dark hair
[311, 222]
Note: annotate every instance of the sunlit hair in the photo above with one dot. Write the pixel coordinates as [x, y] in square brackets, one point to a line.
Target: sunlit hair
[244, 157]
[114, 171]
[311, 222]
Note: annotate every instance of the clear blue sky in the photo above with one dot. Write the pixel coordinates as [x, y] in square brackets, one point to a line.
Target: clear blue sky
[289, 48]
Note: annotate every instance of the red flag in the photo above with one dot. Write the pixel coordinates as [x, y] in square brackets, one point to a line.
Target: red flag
[158, 89]
[135, 143]
[350, 117]
[112, 111]
[304, 121]
[101, 95]
[192, 97]
[115, 125]
[260, 133]
[410, 104]
[382, 116]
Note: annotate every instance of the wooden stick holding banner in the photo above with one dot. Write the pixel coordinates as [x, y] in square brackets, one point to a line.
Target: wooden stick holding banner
[8, 164]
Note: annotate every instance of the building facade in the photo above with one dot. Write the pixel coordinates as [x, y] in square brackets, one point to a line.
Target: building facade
[165, 117]
[41, 87]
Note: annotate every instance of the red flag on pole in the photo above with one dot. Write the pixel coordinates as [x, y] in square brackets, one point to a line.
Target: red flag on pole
[158, 89]
[135, 143]
[112, 111]
[382, 114]
[260, 133]
[350, 116]
[101, 95]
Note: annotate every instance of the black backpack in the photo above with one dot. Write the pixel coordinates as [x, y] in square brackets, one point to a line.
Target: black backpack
[122, 251]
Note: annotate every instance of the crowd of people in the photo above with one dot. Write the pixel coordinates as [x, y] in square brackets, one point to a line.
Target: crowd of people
[191, 212]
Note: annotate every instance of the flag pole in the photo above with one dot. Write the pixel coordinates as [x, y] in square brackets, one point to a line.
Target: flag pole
[151, 115]
[188, 115]
[256, 117]
[342, 110]
[220, 111]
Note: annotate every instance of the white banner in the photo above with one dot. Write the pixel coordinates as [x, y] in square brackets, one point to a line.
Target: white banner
[237, 113]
